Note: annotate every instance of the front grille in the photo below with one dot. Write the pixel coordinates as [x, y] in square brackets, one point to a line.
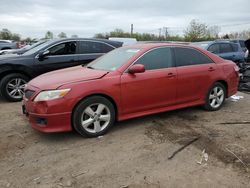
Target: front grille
[28, 94]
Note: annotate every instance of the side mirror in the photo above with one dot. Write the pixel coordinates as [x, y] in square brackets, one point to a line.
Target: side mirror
[43, 54]
[138, 68]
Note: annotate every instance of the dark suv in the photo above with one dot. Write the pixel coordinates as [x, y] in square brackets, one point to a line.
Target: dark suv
[17, 70]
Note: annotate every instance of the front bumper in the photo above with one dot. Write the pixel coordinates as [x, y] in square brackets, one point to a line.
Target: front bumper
[43, 121]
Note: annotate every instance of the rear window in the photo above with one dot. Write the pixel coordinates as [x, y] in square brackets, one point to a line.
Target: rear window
[242, 44]
[89, 47]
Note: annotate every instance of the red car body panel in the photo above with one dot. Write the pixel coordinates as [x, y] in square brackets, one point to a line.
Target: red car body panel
[133, 95]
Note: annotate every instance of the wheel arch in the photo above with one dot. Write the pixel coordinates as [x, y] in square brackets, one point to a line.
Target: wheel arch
[12, 71]
[224, 83]
[92, 95]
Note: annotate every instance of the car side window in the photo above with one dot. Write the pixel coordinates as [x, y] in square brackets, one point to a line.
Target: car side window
[235, 47]
[156, 59]
[188, 56]
[214, 48]
[225, 48]
[89, 47]
[66, 48]
[242, 44]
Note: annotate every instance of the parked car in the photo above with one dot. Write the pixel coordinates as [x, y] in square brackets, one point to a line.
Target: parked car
[8, 44]
[128, 82]
[226, 50]
[23, 49]
[17, 70]
[241, 43]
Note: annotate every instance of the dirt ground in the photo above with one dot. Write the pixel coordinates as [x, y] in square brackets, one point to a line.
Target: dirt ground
[133, 154]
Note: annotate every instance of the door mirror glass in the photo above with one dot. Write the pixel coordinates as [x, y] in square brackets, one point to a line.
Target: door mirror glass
[138, 68]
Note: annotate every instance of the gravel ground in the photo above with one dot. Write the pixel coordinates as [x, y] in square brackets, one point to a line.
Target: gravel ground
[133, 154]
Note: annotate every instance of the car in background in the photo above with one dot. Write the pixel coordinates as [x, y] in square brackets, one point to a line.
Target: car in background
[128, 82]
[226, 50]
[23, 49]
[240, 42]
[125, 41]
[17, 70]
[8, 44]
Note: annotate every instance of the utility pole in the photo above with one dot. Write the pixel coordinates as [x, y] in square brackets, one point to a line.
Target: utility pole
[159, 32]
[166, 31]
[132, 29]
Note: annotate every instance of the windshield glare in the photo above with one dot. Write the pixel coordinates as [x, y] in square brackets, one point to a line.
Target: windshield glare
[37, 48]
[114, 59]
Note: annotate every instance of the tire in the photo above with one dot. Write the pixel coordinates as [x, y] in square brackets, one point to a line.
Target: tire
[11, 82]
[97, 112]
[215, 97]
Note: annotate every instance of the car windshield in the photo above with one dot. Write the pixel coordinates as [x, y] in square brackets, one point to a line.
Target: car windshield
[201, 44]
[114, 59]
[38, 48]
[28, 47]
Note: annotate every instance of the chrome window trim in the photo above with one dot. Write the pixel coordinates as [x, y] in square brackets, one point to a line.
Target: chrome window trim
[126, 71]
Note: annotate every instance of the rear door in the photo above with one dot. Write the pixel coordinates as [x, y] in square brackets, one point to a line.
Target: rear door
[61, 55]
[226, 51]
[195, 74]
[154, 88]
[90, 50]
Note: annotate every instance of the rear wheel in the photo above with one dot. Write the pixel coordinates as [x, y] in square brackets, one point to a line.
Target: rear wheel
[93, 116]
[12, 86]
[215, 97]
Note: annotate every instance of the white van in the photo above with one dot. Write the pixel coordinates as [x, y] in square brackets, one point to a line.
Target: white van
[126, 41]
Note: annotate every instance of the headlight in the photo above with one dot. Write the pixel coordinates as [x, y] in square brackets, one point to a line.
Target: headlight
[51, 95]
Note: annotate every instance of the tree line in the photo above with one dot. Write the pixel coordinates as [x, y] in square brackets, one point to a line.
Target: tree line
[195, 32]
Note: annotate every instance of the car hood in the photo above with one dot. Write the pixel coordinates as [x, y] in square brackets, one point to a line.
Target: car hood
[12, 57]
[55, 79]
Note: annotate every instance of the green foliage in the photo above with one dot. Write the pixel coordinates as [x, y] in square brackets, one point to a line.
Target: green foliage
[138, 36]
[6, 34]
[49, 35]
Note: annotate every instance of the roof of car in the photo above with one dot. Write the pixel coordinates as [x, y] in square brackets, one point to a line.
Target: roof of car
[89, 39]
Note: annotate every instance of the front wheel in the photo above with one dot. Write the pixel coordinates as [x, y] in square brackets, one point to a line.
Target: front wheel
[93, 116]
[12, 86]
[215, 97]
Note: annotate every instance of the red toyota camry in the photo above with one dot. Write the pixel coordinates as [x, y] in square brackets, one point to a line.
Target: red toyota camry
[128, 82]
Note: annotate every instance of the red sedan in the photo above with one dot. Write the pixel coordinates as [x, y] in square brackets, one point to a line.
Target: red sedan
[128, 82]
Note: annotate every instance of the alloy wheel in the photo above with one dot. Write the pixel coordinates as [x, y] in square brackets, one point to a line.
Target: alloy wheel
[95, 118]
[15, 88]
[216, 97]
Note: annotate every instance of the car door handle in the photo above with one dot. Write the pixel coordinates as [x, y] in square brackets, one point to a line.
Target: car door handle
[170, 75]
[211, 69]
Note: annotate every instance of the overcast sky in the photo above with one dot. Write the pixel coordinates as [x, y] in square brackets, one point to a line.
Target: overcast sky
[87, 17]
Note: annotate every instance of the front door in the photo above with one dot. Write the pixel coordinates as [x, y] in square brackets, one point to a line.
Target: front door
[154, 88]
[60, 56]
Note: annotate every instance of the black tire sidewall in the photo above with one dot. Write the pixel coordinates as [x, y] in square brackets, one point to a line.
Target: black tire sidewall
[207, 104]
[4, 82]
[76, 117]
